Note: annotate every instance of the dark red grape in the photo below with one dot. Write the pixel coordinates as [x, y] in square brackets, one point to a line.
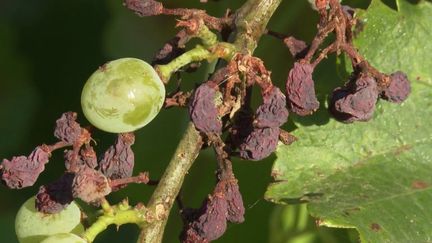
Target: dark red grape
[357, 102]
[203, 110]
[273, 111]
[300, 90]
[23, 171]
[259, 144]
[118, 161]
[399, 88]
[90, 185]
[67, 129]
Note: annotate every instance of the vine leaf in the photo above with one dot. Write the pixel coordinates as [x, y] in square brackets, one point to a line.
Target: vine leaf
[373, 176]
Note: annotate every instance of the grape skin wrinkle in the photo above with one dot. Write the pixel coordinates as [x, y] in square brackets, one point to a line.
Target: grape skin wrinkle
[122, 95]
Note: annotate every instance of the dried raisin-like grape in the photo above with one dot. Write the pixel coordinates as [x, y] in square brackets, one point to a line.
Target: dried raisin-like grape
[90, 185]
[86, 157]
[203, 110]
[355, 103]
[23, 171]
[260, 143]
[118, 160]
[210, 222]
[234, 199]
[300, 90]
[297, 48]
[172, 49]
[273, 111]
[399, 88]
[54, 197]
[144, 7]
[67, 129]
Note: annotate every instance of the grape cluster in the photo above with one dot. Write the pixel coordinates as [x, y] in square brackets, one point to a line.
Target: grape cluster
[85, 177]
[263, 136]
[356, 100]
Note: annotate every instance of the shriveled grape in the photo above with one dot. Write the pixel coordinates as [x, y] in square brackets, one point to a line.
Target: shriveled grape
[273, 113]
[203, 110]
[399, 88]
[357, 102]
[260, 143]
[300, 90]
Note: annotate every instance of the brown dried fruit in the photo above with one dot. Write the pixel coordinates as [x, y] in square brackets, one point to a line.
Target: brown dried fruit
[355, 103]
[234, 199]
[23, 171]
[86, 157]
[297, 48]
[300, 90]
[210, 222]
[273, 111]
[67, 129]
[54, 197]
[399, 88]
[90, 185]
[203, 110]
[259, 144]
[172, 49]
[144, 8]
[118, 161]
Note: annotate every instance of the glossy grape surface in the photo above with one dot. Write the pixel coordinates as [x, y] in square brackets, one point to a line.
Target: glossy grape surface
[122, 95]
[32, 226]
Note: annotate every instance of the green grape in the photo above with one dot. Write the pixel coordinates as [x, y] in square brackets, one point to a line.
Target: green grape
[32, 226]
[122, 95]
[64, 238]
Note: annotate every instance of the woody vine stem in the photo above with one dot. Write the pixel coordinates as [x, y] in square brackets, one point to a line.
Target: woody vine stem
[250, 21]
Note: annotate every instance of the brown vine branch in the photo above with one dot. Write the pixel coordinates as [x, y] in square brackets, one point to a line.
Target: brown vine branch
[171, 182]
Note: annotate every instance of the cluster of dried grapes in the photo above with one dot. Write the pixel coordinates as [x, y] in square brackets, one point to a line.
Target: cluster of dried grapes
[222, 103]
[209, 222]
[356, 100]
[85, 178]
[217, 106]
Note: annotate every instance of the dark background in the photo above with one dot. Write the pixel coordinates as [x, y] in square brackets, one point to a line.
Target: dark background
[48, 48]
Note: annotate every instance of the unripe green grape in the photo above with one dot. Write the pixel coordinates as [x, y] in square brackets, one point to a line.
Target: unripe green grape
[32, 226]
[64, 238]
[122, 95]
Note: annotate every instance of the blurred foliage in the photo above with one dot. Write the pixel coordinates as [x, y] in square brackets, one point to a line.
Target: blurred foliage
[48, 48]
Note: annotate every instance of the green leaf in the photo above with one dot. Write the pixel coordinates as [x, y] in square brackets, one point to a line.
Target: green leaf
[373, 176]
